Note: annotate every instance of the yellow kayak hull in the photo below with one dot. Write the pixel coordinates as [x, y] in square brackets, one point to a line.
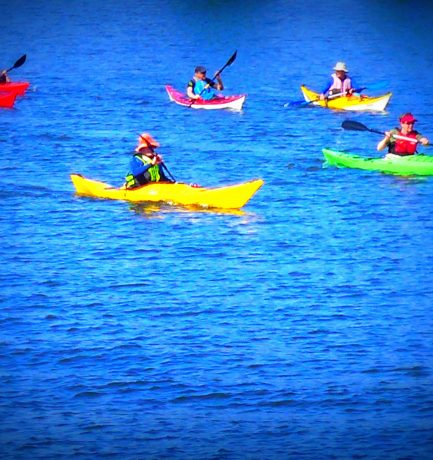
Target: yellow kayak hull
[355, 102]
[227, 197]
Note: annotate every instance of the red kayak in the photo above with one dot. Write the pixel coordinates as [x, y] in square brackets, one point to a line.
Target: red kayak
[7, 100]
[218, 102]
[19, 87]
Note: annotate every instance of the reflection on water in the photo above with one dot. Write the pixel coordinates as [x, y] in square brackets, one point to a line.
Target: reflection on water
[150, 209]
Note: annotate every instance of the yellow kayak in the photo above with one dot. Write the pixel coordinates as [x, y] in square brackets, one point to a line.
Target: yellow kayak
[354, 102]
[227, 197]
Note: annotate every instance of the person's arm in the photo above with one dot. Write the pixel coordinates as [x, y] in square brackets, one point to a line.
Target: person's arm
[324, 93]
[219, 85]
[4, 78]
[353, 87]
[385, 141]
[422, 139]
[138, 167]
[190, 90]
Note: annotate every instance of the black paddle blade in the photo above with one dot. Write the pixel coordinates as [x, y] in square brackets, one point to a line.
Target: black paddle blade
[354, 125]
[232, 59]
[357, 126]
[18, 63]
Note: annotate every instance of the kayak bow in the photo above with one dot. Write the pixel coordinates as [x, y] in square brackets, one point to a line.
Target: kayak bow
[7, 100]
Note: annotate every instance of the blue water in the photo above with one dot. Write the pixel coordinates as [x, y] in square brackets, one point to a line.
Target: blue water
[300, 328]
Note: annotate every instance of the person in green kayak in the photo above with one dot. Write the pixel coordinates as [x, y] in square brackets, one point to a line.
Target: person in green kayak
[402, 141]
[145, 165]
[340, 82]
[201, 87]
[4, 77]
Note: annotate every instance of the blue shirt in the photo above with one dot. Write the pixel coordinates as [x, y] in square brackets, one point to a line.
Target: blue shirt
[199, 85]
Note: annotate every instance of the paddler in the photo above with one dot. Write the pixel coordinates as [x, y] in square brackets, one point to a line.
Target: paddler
[201, 87]
[146, 165]
[402, 147]
[4, 77]
[340, 82]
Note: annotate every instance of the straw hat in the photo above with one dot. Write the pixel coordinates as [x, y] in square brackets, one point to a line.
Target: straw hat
[146, 140]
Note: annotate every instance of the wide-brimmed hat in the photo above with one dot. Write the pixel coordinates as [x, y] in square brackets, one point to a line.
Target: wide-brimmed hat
[341, 66]
[407, 118]
[146, 140]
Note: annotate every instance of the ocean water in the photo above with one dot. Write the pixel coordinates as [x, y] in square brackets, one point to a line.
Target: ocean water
[298, 328]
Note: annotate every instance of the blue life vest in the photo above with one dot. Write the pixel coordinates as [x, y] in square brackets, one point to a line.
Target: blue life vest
[199, 86]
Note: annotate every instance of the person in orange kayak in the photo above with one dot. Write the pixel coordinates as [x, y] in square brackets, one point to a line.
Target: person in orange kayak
[340, 82]
[4, 77]
[402, 141]
[202, 87]
[145, 165]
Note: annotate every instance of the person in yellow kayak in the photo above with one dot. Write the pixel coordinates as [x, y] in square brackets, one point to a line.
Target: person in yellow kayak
[402, 141]
[201, 87]
[340, 82]
[4, 77]
[146, 165]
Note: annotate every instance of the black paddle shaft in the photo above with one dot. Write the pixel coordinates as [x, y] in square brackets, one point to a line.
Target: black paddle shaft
[229, 62]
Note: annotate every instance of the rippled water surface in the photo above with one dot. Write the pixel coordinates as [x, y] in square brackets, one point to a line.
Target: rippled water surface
[298, 328]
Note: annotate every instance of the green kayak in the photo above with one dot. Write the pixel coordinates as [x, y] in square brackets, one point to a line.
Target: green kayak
[408, 165]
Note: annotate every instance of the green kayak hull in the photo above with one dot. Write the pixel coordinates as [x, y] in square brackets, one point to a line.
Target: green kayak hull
[408, 165]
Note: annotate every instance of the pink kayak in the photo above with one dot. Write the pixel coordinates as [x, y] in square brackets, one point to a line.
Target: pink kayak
[18, 87]
[219, 102]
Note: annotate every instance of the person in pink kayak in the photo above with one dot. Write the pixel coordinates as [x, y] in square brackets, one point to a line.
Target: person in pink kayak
[201, 87]
[402, 141]
[340, 82]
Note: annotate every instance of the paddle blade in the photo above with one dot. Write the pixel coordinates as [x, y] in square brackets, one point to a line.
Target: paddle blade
[19, 62]
[357, 126]
[232, 58]
[354, 125]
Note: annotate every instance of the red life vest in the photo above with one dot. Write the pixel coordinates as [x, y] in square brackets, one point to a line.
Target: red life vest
[402, 147]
